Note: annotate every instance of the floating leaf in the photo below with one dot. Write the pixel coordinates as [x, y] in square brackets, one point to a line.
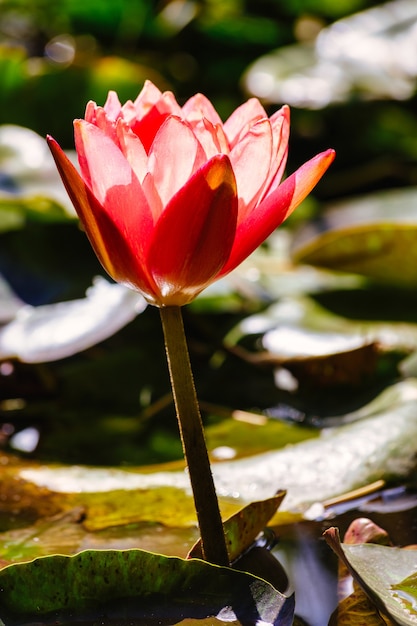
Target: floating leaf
[108, 585]
[338, 66]
[55, 331]
[367, 236]
[381, 445]
[304, 315]
[30, 183]
[380, 571]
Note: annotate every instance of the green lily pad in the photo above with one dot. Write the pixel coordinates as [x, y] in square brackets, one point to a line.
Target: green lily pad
[111, 585]
[378, 444]
[367, 236]
[386, 574]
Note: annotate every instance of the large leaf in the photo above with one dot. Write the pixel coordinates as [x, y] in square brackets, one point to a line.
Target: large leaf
[338, 66]
[30, 183]
[113, 585]
[382, 444]
[374, 236]
[55, 331]
[381, 570]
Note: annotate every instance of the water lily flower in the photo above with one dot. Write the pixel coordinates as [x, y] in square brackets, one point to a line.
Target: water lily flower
[171, 197]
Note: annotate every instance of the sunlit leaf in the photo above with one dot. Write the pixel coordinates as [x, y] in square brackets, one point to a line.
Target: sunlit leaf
[337, 66]
[303, 317]
[109, 585]
[30, 183]
[380, 570]
[56, 331]
[381, 445]
[368, 236]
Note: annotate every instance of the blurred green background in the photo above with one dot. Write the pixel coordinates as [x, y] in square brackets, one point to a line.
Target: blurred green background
[54, 57]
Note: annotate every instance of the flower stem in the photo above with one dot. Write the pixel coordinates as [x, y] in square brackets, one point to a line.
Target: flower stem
[192, 437]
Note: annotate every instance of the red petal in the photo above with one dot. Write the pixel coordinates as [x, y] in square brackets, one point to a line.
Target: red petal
[113, 244]
[174, 157]
[195, 233]
[275, 208]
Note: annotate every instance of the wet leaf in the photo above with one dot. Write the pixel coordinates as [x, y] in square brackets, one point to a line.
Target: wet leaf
[367, 236]
[301, 326]
[381, 444]
[55, 331]
[109, 585]
[30, 185]
[380, 571]
[337, 67]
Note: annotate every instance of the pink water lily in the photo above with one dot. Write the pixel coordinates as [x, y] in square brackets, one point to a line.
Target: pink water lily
[171, 197]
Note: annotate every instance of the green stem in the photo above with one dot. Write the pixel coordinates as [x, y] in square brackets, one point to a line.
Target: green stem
[192, 436]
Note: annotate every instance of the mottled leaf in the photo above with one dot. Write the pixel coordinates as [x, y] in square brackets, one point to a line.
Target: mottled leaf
[112, 585]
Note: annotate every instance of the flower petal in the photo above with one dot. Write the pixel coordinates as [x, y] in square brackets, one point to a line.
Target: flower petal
[251, 162]
[112, 106]
[133, 150]
[174, 157]
[275, 208]
[199, 107]
[195, 233]
[115, 249]
[242, 119]
[112, 181]
[280, 123]
[152, 108]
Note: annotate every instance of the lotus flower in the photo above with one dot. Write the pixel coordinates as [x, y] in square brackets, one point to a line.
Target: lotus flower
[173, 199]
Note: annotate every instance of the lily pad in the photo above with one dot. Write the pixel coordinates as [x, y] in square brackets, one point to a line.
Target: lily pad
[337, 66]
[55, 331]
[381, 570]
[367, 236]
[111, 585]
[379, 445]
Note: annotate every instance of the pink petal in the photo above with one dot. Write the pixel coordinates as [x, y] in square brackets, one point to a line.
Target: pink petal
[115, 254]
[115, 186]
[174, 157]
[133, 150]
[90, 112]
[152, 109]
[148, 96]
[199, 107]
[275, 208]
[112, 106]
[211, 138]
[242, 119]
[280, 123]
[251, 162]
[194, 235]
